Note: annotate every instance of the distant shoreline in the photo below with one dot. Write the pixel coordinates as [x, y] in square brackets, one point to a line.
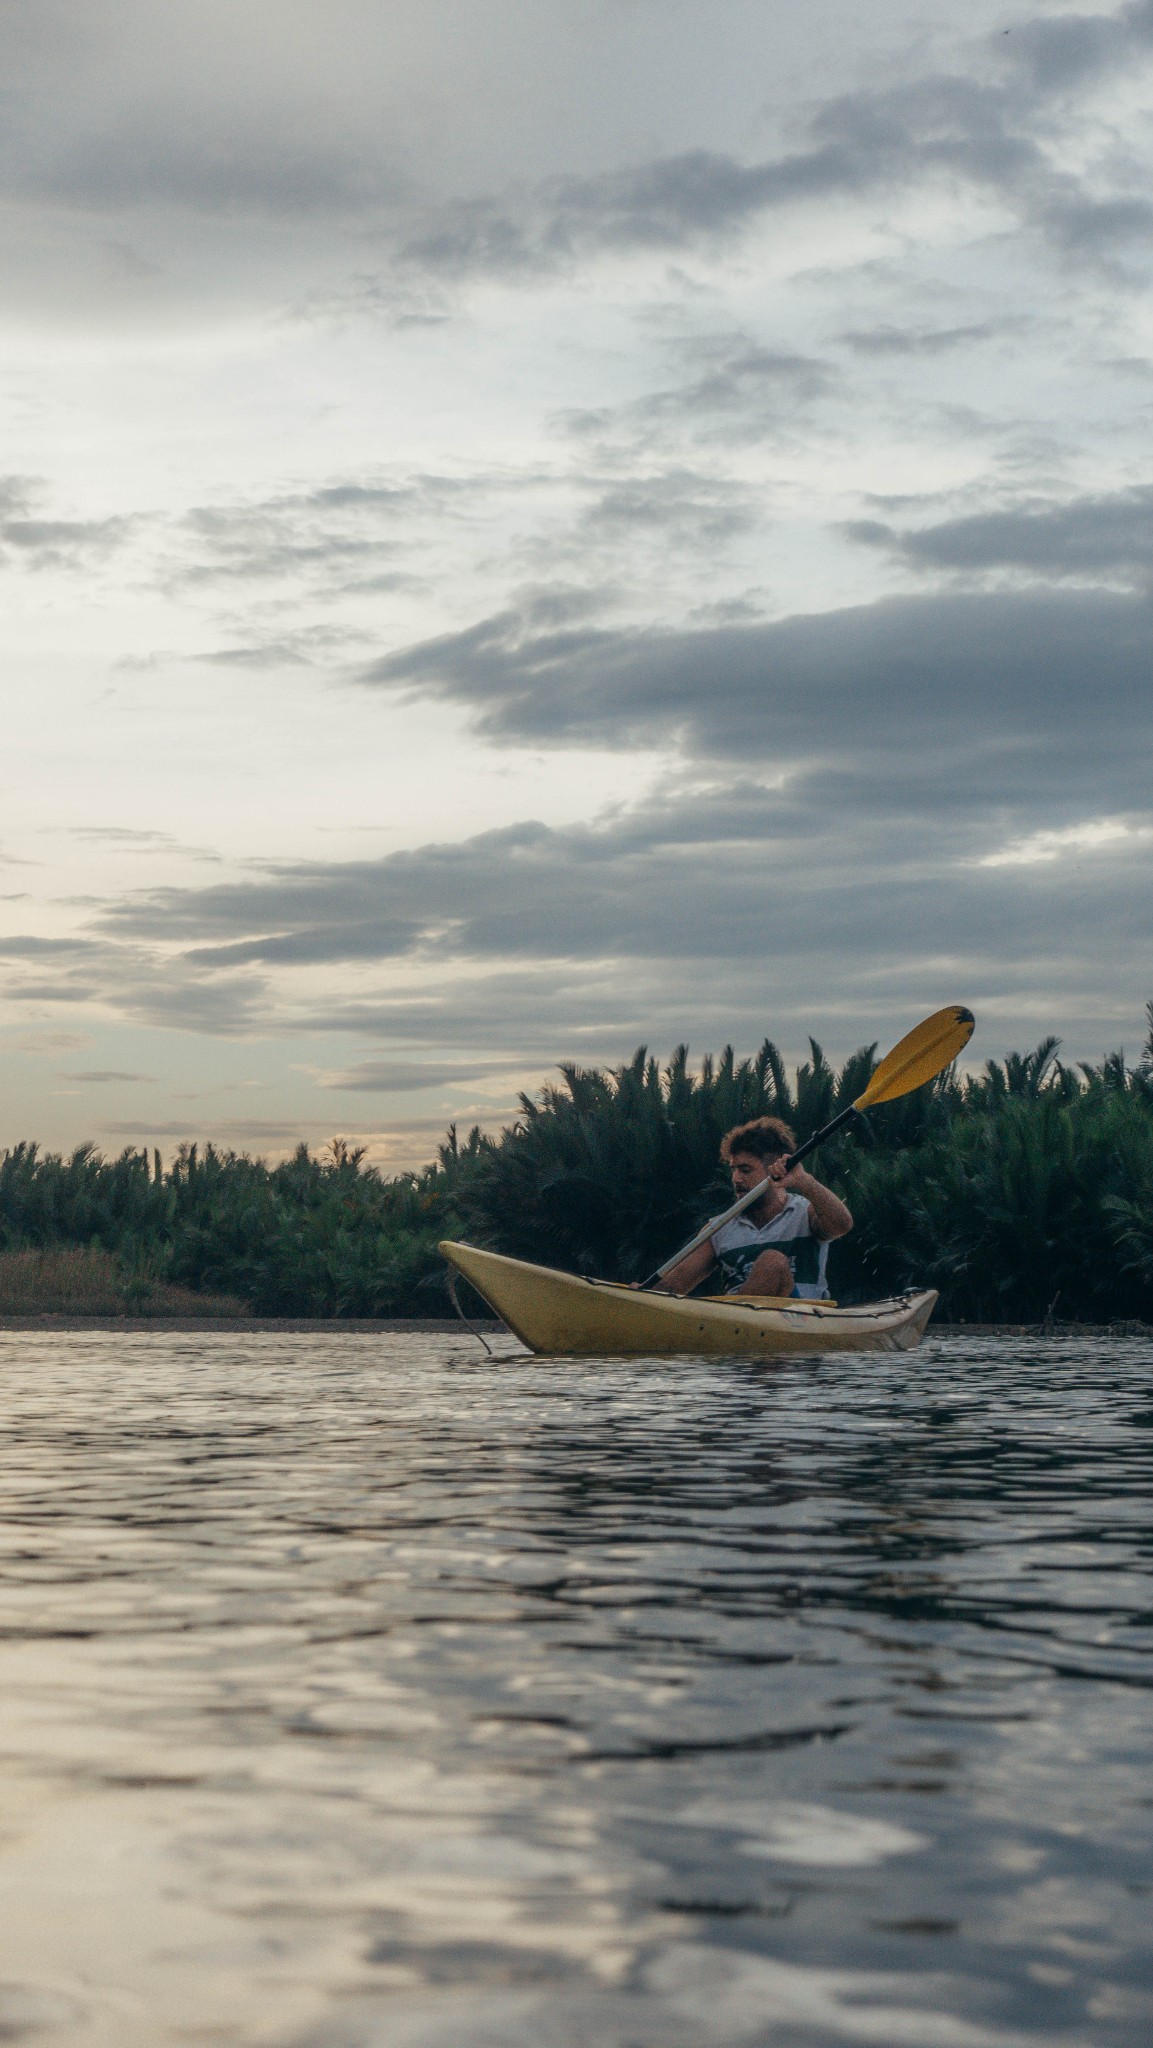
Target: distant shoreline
[369, 1326]
[349, 1325]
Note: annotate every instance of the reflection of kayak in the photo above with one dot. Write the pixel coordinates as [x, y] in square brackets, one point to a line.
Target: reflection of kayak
[563, 1315]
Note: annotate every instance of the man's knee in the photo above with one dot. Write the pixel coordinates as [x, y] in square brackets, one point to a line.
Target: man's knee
[771, 1274]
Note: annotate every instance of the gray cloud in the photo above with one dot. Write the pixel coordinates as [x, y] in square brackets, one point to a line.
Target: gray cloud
[665, 893]
[99, 1075]
[985, 131]
[999, 127]
[335, 540]
[935, 341]
[1092, 228]
[900, 746]
[194, 113]
[678, 507]
[284, 653]
[122, 835]
[668, 205]
[1020, 976]
[296, 534]
[164, 126]
[306, 646]
[42, 543]
[34, 946]
[17, 493]
[148, 844]
[347, 539]
[1061, 51]
[230, 1131]
[157, 156]
[941, 698]
[404, 1077]
[1087, 537]
[61, 543]
[856, 889]
[951, 126]
[713, 939]
[734, 389]
[61, 990]
[736, 374]
[142, 982]
[41, 1043]
[156, 990]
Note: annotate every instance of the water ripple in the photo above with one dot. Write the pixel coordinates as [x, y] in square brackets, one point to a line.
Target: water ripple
[365, 1691]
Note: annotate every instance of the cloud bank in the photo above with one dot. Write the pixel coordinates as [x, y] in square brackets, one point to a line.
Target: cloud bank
[577, 578]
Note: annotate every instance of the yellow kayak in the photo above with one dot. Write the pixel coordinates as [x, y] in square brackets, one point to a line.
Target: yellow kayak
[562, 1315]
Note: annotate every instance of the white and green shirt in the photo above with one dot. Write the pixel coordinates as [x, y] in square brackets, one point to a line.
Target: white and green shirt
[738, 1245]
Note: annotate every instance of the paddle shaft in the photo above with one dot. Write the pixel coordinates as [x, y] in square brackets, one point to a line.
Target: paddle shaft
[754, 1194]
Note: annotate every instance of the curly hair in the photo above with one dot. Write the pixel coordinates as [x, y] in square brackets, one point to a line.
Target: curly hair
[766, 1138]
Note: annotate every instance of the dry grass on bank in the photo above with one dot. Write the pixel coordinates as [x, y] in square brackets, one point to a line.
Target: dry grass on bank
[76, 1281]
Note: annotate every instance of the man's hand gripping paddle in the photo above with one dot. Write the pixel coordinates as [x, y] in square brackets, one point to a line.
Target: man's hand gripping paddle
[921, 1055]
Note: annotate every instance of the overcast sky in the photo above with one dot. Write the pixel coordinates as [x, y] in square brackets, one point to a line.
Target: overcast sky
[531, 526]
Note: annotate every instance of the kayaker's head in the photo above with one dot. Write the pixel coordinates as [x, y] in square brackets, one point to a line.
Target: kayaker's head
[749, 1150]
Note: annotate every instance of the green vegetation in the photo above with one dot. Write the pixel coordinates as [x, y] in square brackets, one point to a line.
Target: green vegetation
[309, 1237]
[85, 1280]
[1025, 1188]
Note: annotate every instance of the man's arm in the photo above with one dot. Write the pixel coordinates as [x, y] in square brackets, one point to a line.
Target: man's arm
[830, 1216]
[681, 1279]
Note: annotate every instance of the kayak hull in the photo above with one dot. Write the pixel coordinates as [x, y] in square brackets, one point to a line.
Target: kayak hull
[561, 1315]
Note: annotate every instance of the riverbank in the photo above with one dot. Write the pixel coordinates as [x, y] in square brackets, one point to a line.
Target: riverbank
[382, 1325]
[205, 1325]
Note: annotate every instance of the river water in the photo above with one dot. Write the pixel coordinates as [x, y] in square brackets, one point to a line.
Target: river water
[359, 1691]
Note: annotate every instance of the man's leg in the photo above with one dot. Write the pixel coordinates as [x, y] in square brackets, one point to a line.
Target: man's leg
[770, 1274]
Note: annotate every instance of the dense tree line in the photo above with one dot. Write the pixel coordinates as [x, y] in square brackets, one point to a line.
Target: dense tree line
[313, 1236]
[1021, 1190]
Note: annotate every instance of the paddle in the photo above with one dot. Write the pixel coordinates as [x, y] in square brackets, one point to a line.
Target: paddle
[921, 1055]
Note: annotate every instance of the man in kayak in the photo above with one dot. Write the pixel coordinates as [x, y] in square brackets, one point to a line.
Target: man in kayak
[781, 1245]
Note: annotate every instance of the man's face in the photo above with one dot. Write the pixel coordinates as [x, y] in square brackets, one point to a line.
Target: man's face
[747, 1171]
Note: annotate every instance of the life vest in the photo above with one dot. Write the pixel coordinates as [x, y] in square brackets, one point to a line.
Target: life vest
[738, 1245]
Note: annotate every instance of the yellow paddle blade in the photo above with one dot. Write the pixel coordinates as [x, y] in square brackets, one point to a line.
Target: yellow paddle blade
[920, 1056]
